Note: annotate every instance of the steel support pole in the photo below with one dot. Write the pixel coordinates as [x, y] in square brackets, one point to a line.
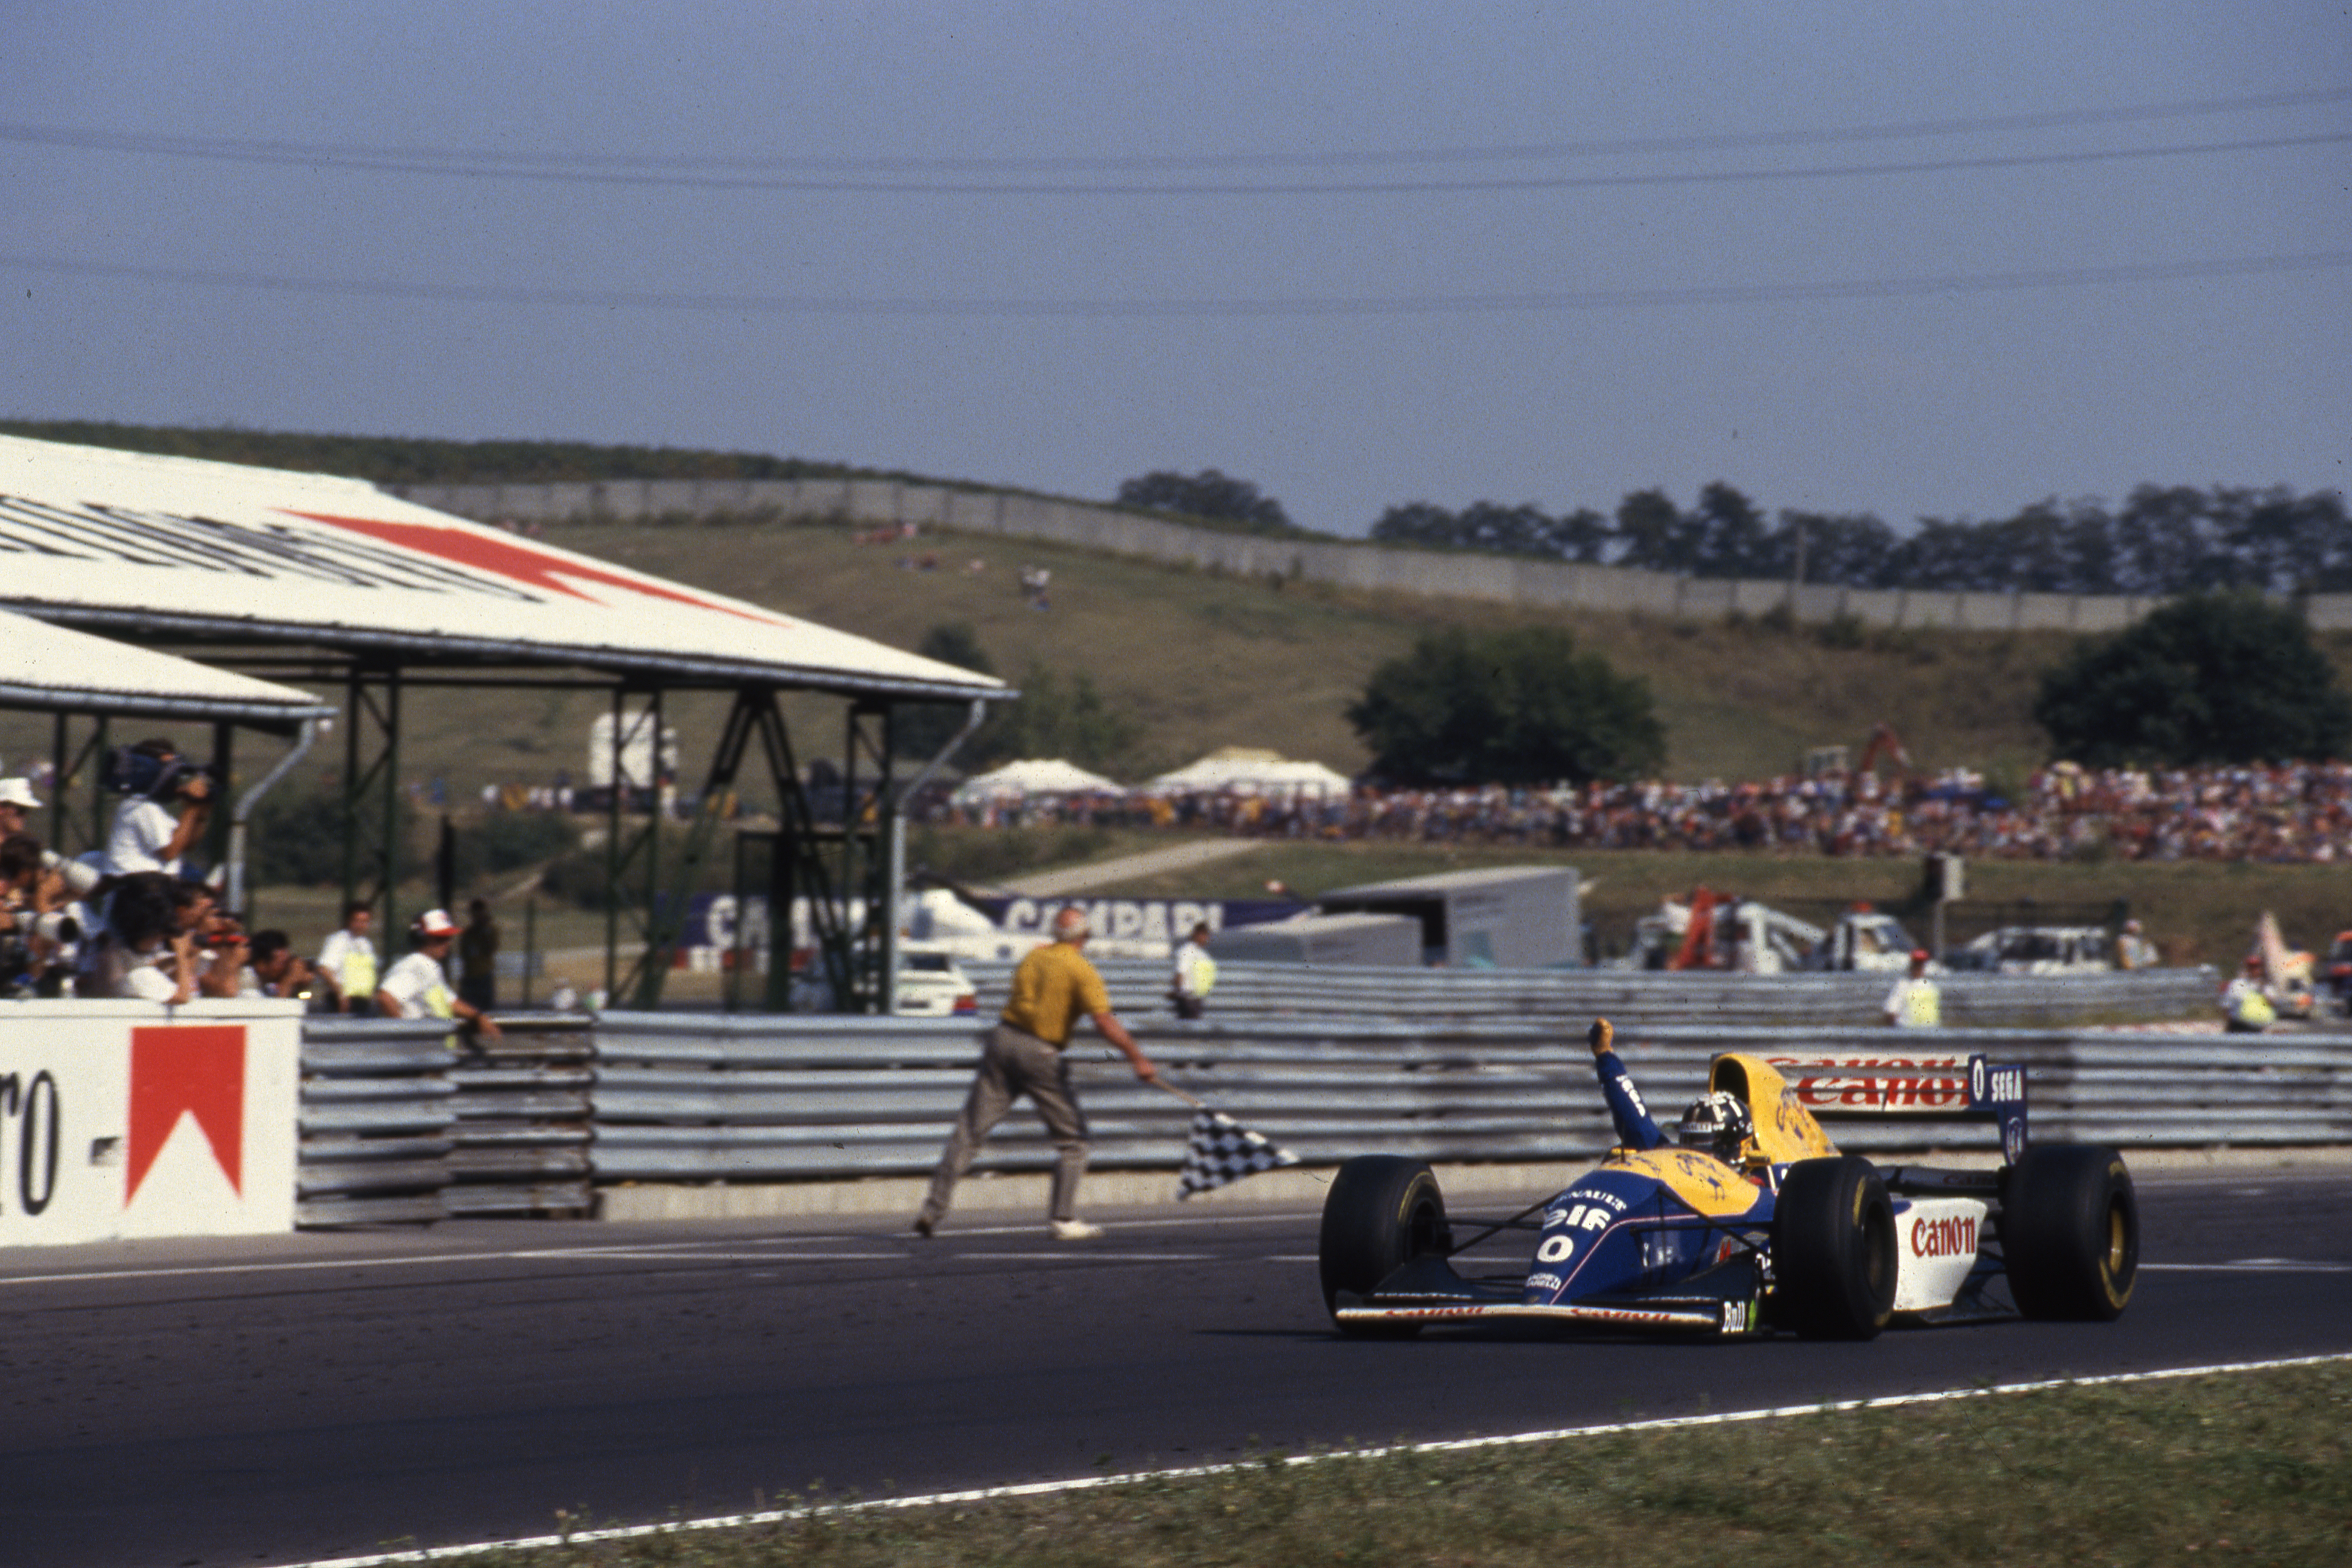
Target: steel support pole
[69, 833]
[864, 871]
[372, 795]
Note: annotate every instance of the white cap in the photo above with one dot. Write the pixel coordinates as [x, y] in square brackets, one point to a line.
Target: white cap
[436, 922]
[18, 792]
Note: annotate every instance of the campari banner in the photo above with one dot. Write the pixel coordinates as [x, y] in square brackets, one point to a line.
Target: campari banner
[129, 1118]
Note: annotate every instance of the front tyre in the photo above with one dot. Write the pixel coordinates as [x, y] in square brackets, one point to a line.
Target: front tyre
[1382, 1211]
[1833, 1264]
[2070, 1233]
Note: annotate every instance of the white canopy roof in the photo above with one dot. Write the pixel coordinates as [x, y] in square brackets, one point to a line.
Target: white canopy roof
[219, 551]
[47, 667]
[1037, 776]
[1251, 772]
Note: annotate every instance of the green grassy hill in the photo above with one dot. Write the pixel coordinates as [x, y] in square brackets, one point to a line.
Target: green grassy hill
[1205, 660]
[1208, 661]
[1200, 660]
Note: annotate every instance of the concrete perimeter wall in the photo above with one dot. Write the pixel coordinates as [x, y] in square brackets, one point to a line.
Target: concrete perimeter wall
[1499, 579]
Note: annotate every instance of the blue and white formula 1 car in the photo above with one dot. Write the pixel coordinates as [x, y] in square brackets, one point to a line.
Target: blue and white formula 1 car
[1754, 1222]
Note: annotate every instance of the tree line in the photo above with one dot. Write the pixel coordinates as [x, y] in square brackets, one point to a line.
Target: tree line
[2162, 541]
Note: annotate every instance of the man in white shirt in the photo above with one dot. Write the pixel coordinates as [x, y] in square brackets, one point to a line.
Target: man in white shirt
[418, 987]
[347, 959]
[145, 836]
[16, 798]
[1915, 1003]
[1196, 972]
[153, 960]
[2246, 1006]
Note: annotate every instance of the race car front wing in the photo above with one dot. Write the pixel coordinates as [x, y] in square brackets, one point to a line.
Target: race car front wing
[1702, 1315]
[1428, 1291]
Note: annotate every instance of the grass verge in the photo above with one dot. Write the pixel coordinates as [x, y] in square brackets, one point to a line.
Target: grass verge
[2248, 1467]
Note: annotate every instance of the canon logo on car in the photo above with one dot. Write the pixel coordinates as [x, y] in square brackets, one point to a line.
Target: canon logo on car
[1953, 1238]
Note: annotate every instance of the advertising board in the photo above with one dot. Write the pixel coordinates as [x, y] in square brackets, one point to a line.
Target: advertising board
[130, 1118]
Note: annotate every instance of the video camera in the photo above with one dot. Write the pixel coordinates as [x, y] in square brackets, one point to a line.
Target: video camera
[129, 771]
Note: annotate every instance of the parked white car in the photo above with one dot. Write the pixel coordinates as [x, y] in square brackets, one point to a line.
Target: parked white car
[2037, 950]
[931, 986]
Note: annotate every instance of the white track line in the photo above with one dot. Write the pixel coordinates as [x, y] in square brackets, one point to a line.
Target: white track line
[627, 1251]
[1456, 1445]
[2249, 1265]
[1068, 1253]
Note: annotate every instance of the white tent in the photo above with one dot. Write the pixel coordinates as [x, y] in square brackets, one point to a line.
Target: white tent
[120, 542]
[1248, 770]
[56, 668]
[1037, 776]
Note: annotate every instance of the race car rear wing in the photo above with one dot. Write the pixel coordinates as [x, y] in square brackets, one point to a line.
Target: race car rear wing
[1952, 1089]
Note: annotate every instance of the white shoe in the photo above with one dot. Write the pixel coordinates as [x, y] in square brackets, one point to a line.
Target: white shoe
[1077, 1230]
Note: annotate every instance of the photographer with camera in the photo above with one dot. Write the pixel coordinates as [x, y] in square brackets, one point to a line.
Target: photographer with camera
[152, 958]
[275, 969]
[37, 932]
[220, 945]
[17, 800]
[145, 836]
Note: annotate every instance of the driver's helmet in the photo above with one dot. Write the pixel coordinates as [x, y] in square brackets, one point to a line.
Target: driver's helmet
[1719, 1123]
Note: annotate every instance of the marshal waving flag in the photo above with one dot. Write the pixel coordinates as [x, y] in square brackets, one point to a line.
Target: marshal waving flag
[1221, 1149]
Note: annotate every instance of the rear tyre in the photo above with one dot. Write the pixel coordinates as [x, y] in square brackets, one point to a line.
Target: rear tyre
[2070, 1233]
[1382, 1211]
[1833, 1265]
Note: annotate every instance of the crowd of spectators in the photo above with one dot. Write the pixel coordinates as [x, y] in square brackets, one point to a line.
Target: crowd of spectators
[2284, 812]
[132, 919]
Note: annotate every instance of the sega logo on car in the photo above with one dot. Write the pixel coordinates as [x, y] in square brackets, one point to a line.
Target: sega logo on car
[1990, 1084]
[1543, 1282]
[1954, 1237]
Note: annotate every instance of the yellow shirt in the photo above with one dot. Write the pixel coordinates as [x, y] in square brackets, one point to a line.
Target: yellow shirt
[1055, 984]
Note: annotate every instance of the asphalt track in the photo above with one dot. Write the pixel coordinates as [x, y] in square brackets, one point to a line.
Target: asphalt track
[182, 1404]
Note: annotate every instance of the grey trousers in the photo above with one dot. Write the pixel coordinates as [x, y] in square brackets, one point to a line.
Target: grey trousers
[1013, 1063]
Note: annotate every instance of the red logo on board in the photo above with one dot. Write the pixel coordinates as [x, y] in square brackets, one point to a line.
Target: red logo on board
[197, 1070]
[519, 563]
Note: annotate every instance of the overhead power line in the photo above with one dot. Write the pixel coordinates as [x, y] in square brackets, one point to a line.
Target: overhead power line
[1398, 305]
[493, 162]
[814, 178]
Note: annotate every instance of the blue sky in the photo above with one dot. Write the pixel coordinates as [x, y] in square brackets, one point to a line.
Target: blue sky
[755, 226]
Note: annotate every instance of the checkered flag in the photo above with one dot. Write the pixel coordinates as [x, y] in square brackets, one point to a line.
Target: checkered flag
[1221, 1149]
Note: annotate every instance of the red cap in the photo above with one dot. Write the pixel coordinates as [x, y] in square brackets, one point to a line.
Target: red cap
[1919, 955]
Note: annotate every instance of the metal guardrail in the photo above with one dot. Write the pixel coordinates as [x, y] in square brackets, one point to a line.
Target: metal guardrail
[523, 1107]
[398, 1127]
[377, 1108]
[785, 1100]
[1834, 999]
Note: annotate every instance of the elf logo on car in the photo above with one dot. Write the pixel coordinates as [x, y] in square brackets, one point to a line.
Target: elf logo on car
[1953, 1238]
